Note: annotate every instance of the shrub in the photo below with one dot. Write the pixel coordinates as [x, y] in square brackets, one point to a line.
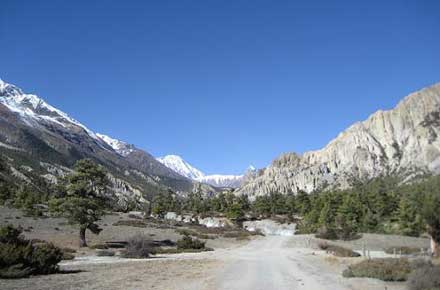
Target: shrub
[138, 247]
[338, 251]
[45, 258]
[189, 243]
[195, 234]
[9, 234]
[21, 258]
[426, 277]
[386, 269]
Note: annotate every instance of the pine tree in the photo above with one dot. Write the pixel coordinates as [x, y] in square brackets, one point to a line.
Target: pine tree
[84, 202]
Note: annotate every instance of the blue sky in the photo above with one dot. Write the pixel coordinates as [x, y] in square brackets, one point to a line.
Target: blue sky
[224, 84]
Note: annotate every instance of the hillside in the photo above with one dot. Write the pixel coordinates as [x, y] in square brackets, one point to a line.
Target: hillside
[40, 143]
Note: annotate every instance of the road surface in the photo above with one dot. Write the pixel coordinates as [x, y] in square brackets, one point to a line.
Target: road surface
[268, 263]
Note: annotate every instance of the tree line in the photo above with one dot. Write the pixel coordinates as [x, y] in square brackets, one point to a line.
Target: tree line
[381, 205]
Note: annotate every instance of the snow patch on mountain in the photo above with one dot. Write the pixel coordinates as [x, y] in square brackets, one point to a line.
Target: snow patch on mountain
[219, 180]
[180, 166]
[121, 147]
[31, 107]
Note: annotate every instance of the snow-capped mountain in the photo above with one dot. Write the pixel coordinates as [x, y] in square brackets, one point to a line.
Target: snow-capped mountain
[182, 167]
[34, 109]
[121, 147]
[41, 137]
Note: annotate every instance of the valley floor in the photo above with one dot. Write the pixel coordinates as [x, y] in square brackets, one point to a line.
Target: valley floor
[263, 263]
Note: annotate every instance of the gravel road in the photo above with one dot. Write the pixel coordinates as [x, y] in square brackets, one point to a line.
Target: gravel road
[268, 263]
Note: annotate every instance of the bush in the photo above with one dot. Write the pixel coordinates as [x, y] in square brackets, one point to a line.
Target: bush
[386, 269]
[45, 258]
[21, 258]
[189, 243]
[138, 247]
[195, 234]
[426, 277]
[338, 251]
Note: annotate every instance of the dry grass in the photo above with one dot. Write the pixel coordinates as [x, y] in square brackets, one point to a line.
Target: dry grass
[425, 276]
[385, 269]
[193, 233]
[404, 250]
[338, 251]
[131, 223]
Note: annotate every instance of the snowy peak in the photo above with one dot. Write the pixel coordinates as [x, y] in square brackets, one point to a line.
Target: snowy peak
[180, 166]
[34, 109]
[9, 90]
[121, 147]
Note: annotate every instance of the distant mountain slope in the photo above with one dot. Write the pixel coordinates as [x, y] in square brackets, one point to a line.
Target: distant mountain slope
[182, 167]
[403, 141]
[37, 135]
[219, 180]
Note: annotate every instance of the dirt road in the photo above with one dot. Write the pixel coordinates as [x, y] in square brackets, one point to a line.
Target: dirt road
[268, 263]
[271, 262]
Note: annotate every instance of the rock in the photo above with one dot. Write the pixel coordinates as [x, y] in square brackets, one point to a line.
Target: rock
[215, 222]
[209, 222]
[270, 227]
[403, 141]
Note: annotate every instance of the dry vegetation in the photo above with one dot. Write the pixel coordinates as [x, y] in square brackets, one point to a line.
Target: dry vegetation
[337, 251]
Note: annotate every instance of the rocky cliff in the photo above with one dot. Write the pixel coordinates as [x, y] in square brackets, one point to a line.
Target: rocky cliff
[403, 141]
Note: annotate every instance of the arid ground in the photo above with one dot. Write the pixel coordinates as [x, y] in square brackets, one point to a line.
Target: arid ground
[271, 262]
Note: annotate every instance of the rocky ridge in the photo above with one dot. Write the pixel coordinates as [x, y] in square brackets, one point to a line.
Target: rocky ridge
[402, 141]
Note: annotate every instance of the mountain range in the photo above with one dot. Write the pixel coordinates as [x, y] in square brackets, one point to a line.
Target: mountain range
[402, 142]
[39, 140]
[40, 144]
[182, 167]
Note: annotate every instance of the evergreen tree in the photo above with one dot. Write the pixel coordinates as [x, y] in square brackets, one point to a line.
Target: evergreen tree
[349, 215]
[431, 215]
[409, 217]
[303, 203]
[164, 202]
[84, 201]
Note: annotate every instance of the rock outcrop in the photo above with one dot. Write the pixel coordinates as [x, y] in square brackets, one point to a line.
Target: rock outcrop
[403, 141]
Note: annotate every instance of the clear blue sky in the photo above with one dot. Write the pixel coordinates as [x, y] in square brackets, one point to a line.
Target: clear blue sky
[224, 84]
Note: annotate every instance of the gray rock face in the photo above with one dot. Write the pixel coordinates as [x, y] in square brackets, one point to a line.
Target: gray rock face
[402, 141]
